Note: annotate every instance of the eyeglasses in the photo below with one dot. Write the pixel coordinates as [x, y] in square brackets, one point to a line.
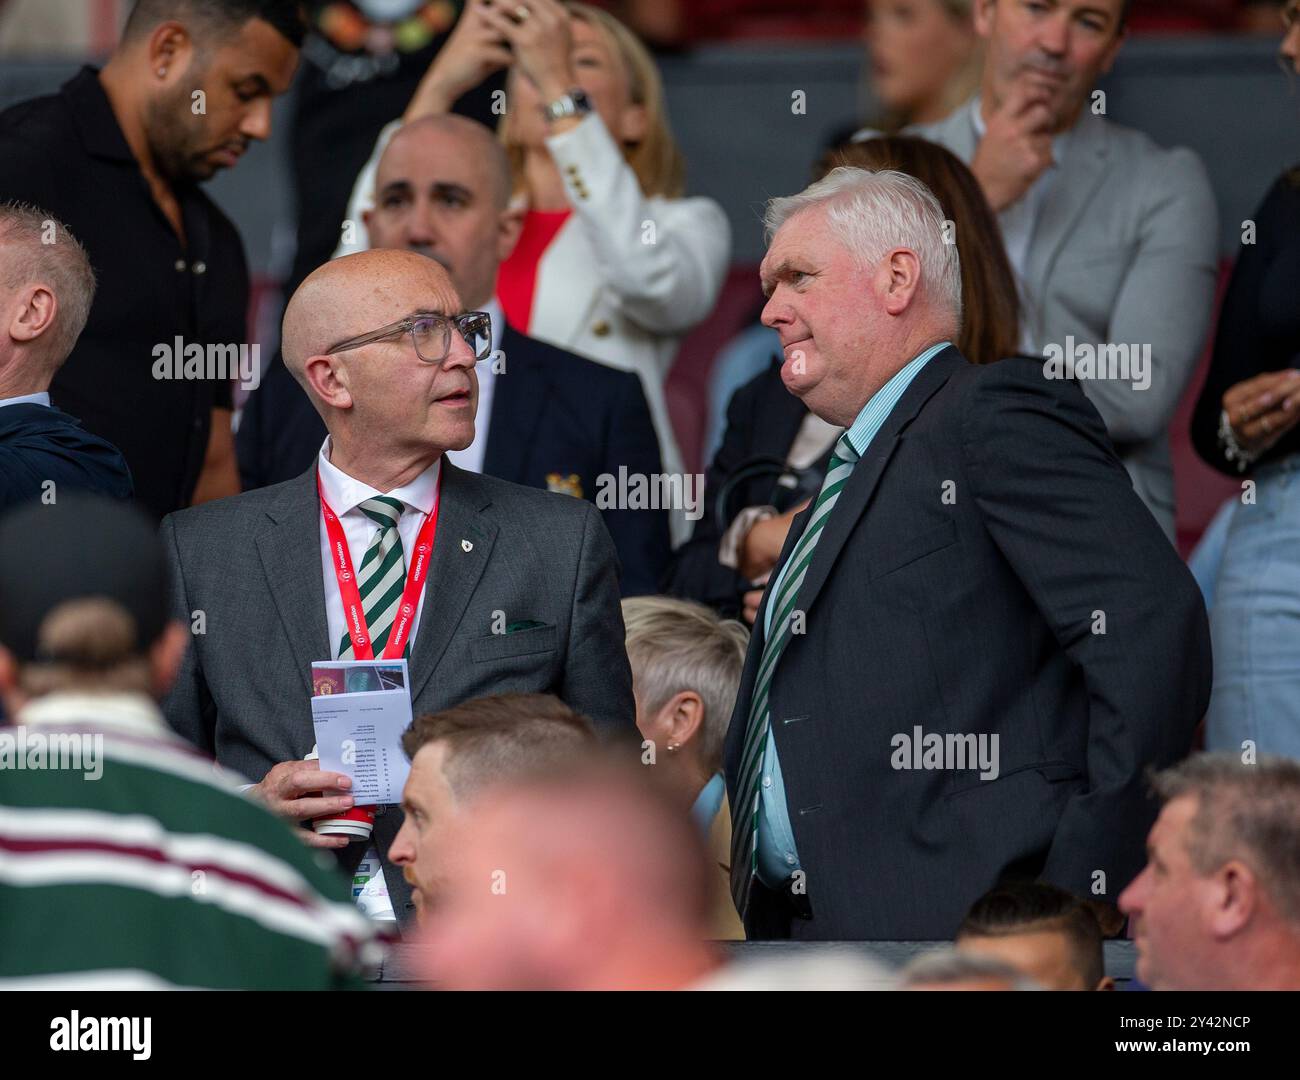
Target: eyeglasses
[431, 335]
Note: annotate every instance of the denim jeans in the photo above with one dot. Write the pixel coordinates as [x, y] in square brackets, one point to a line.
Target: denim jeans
[1255, 621]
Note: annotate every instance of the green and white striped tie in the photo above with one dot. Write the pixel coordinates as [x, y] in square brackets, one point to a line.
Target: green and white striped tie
[744, 836]
[381, 576]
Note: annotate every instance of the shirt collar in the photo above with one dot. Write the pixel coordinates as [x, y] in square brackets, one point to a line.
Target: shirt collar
[43, 398]
[881, 404]
[133, 714]
[708, 802]
[345, 494]
[93, 116]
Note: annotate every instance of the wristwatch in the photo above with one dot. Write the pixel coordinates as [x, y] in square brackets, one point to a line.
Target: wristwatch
[573, 103]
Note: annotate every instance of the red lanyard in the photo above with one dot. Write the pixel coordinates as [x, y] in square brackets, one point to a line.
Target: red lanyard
[419, 570]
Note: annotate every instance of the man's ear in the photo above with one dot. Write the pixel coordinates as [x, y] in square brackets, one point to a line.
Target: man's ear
[982, 16]
[1112, 51]
[8, 672]
[170, 50]
[34, 313]
[510, 224]
[899, 278]
[1237, 893]
[325, 376]
[166, 654]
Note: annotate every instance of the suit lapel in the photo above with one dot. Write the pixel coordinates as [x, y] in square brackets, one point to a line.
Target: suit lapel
[867, 473]
[1081, 173]
[291, 561]
[455, 572]
[518, 402]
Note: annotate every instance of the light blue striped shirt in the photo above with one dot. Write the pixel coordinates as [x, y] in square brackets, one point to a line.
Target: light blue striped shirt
[777, 857]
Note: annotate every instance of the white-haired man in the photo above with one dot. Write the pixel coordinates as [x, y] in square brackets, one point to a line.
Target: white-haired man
[975, 639]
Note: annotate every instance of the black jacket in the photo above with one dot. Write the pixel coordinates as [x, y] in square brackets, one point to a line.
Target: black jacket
[1259, 325]
[66, 154]
[39, 444]
[988, 570]
[554, 415]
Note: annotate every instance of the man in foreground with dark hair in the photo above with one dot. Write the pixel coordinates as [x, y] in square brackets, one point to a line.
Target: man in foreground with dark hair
[1218, 905]
[457, 752]
[119, 155]
[1042, 931]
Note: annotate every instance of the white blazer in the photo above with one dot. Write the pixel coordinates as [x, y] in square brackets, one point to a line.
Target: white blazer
[625, 277]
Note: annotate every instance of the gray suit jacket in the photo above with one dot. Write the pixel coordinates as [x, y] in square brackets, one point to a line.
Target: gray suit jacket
[1125, 251]
[252, 565]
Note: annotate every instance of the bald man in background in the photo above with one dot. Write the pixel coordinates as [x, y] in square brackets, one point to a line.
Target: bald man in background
[371, 339]
[547, 418]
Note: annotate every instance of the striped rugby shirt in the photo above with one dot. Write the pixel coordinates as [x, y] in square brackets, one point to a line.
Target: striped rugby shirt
[158, 873]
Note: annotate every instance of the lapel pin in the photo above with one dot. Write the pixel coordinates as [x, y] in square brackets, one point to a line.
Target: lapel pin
[465, 545]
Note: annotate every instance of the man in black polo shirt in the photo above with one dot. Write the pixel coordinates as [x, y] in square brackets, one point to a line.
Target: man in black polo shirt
[118, 155]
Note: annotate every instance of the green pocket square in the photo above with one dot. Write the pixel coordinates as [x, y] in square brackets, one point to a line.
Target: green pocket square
[526, 624]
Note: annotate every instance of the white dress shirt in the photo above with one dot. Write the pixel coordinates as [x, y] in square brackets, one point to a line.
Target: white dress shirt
[345, 495]
[471, 458]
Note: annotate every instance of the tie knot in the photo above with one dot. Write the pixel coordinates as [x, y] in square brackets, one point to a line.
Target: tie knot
[383, 511]
[844, 451]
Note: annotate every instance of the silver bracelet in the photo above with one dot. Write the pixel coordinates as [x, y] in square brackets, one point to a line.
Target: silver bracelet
[1232, 449]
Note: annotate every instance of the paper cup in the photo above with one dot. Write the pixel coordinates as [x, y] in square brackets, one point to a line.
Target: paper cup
[358, 823]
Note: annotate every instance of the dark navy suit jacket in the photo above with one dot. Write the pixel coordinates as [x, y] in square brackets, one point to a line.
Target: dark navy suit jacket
[559, 421]
[988, 572]
[40, 443]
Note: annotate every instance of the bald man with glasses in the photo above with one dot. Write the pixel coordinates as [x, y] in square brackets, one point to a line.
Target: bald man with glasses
[521, 592]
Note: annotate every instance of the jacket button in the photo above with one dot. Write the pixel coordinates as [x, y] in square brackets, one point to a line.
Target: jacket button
[600, 329]
[180, 265]
[200, 267]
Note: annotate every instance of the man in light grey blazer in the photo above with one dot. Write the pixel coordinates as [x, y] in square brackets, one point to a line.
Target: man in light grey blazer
[522, 586]
[1113, 238]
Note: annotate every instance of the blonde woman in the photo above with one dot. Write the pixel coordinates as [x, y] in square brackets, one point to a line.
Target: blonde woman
[612, 262]
[924, 58]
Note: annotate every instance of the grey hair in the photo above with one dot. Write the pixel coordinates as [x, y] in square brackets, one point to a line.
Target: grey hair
[947, 967]
[1246, 812]
[37, 248]
[873, 211]
[679, 645]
